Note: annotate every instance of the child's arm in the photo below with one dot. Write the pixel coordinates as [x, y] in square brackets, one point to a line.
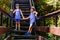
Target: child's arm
[13, 11]
[21, 13]
[26, 18]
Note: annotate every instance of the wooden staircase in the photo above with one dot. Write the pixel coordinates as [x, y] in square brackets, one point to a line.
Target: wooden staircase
[19, 35]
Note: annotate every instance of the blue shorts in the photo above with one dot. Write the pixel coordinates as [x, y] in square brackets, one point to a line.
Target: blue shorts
[17, 20]
[32, 23]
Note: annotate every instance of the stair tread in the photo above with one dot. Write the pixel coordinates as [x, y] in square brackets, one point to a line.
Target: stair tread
[24, 36]
[24, 4]
[25, 11]
[19, 31]
[24, 39]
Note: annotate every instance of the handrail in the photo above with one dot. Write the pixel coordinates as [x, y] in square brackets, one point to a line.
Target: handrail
[51, 14]
[31, 3]
[6, 15]
[52, 30]
[4, 12]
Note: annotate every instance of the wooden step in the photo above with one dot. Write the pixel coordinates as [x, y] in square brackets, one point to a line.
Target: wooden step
[18, 31]
[24, 37]
[25, 8]
[21, 32]
[25, 11]
[24, 4]
[25, 28]
[22, 1]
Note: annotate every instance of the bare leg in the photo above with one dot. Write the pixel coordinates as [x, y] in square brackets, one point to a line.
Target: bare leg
[30, 28]
[18, 25]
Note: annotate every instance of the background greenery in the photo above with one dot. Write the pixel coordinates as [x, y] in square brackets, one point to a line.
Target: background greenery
[47, 6]
[43, 7]
[5, 4]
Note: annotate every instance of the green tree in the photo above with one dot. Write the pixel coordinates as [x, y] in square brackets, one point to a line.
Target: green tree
[5, 5]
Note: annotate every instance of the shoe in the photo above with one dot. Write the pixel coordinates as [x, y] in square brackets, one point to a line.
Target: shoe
[18, 29]
[15, 29]
[28, 34]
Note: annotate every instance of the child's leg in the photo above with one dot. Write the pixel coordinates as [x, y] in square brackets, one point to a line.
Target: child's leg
[30, 28]
[18, 25]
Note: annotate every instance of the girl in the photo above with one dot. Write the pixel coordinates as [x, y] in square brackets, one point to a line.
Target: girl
[18, 14]
[32, 17]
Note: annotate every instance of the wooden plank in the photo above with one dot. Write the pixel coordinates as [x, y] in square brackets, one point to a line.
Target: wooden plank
[42, 28]
[4, 12]
[52, 30]
[41, 38]
[51, 14]
[55, 12]
[4, 30]
[55, 30]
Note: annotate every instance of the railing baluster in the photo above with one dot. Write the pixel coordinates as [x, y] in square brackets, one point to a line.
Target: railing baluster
[56, 20]
[7, 22]
[44, 21]
[1, 19]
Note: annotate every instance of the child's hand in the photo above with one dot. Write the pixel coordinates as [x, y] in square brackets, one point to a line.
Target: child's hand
[11, 9]
[24, 18]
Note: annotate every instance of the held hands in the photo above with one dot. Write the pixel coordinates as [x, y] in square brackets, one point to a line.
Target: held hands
[24, 18]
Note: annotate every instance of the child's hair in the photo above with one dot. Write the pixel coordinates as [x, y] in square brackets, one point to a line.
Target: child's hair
[33, 8]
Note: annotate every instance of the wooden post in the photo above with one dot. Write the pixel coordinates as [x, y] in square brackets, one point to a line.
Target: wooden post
[41, 38]
[44, 21]
[1, 17]
[0, 37]
[56, 18]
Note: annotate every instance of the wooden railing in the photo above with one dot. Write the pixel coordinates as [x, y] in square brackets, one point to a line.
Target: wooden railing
[5, 18]
[53, 30]
[4, 31]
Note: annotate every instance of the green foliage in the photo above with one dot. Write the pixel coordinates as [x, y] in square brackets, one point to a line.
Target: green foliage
[3, 36]
[5, 5]
[47, 6]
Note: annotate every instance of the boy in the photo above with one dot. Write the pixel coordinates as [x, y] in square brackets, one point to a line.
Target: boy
[32, 17]
[18, 14]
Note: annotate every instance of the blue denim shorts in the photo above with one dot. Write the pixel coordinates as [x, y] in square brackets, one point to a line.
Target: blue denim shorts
[17, 20]
[32, 23]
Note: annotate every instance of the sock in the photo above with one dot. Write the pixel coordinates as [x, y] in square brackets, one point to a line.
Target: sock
[18, 28]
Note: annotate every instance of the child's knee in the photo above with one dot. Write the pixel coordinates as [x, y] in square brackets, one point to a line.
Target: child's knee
[18, 23]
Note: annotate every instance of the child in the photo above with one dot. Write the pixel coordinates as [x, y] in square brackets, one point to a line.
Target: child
[32, 20]
[18, 14]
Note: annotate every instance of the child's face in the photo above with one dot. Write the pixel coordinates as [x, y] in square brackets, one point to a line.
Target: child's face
[31, 10]
[17, 7]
